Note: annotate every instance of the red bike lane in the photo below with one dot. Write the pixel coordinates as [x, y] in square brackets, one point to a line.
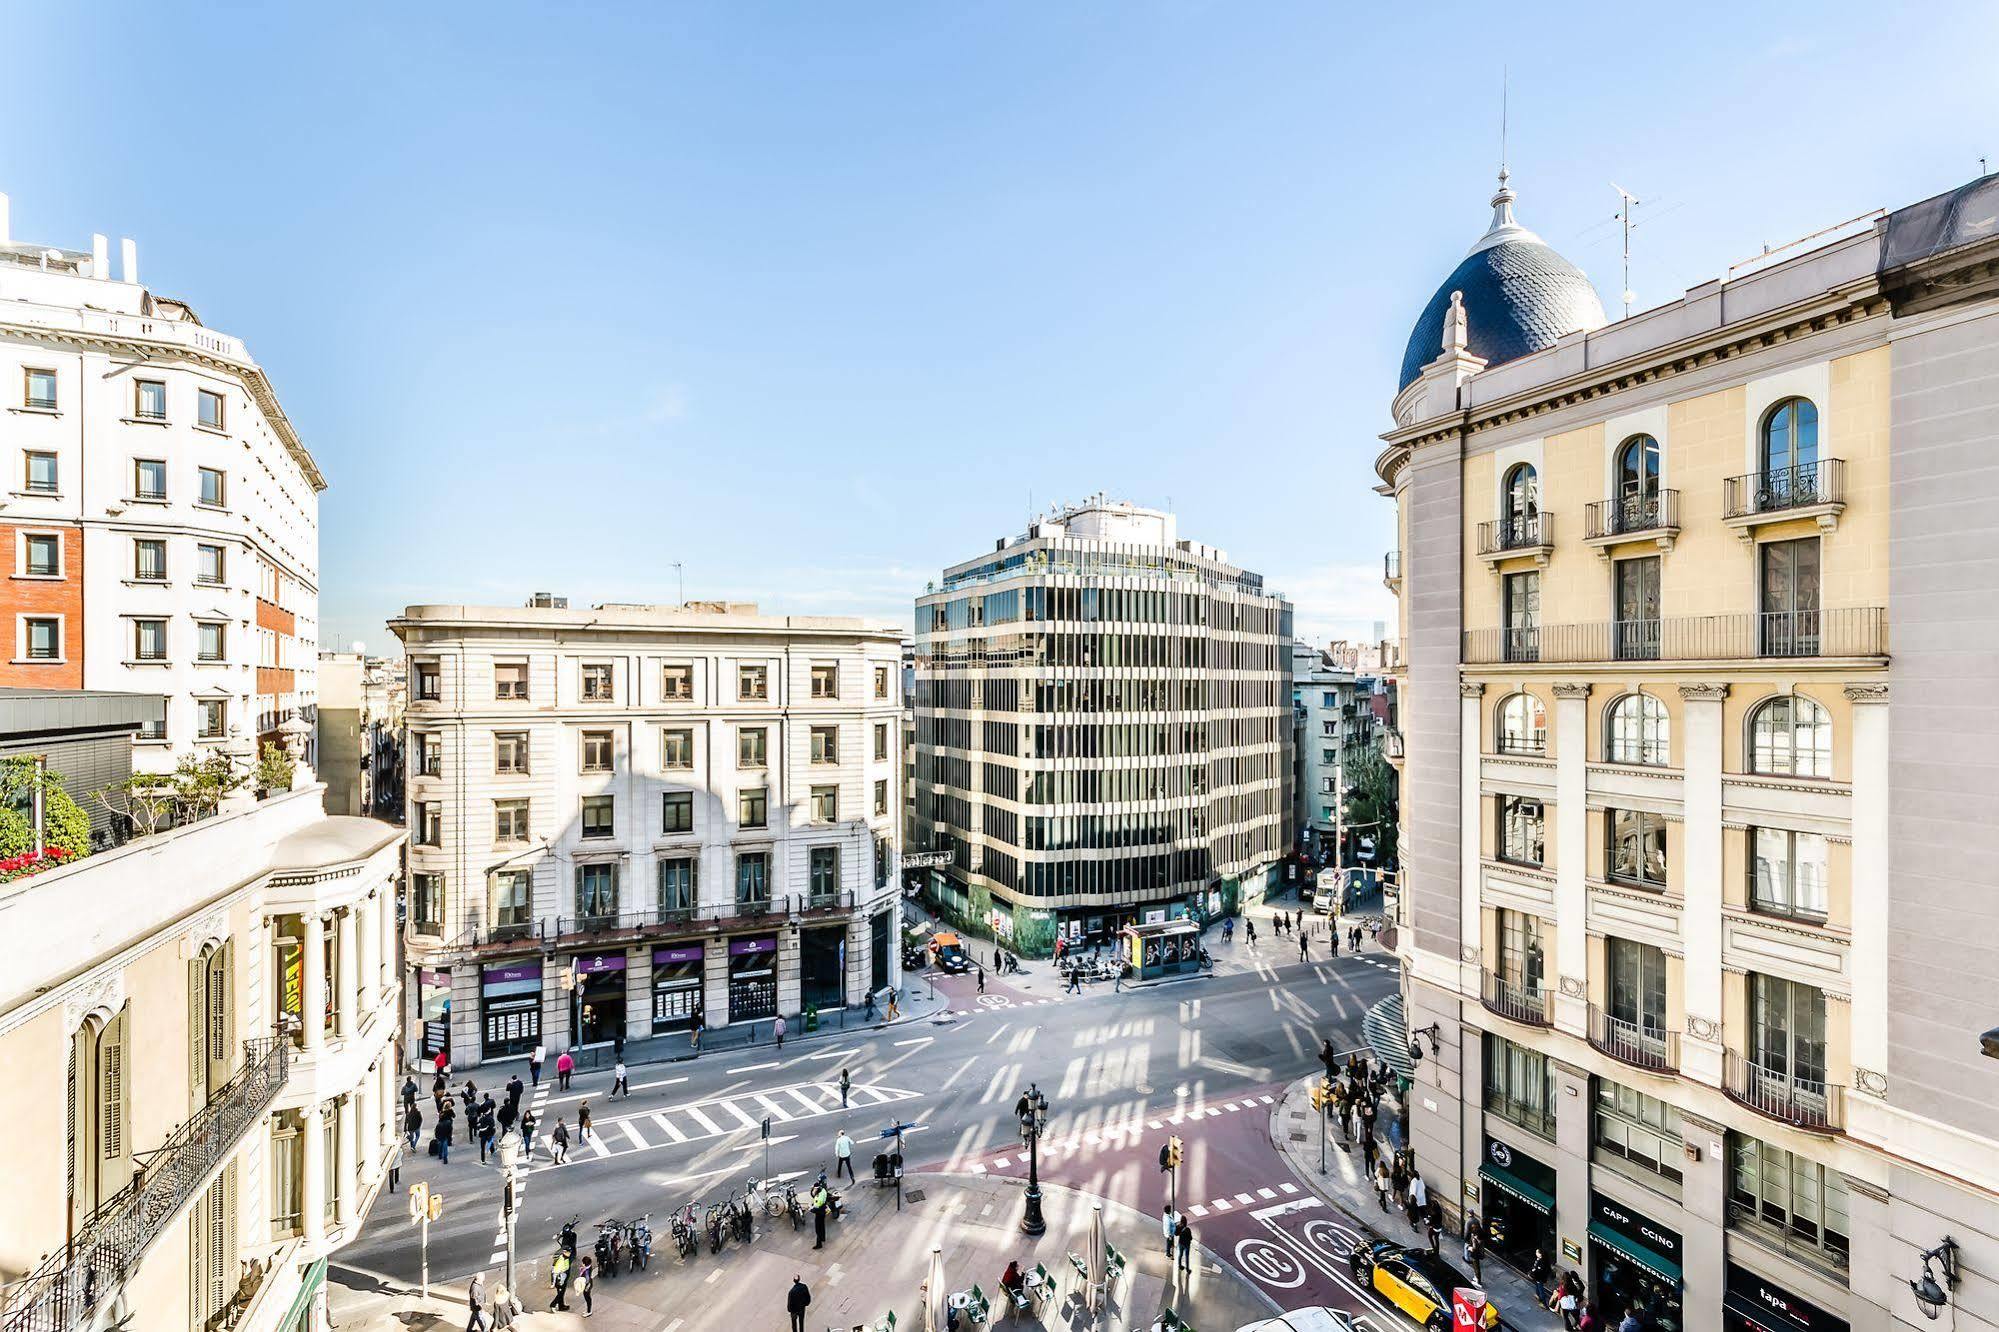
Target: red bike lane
[1243, 1201]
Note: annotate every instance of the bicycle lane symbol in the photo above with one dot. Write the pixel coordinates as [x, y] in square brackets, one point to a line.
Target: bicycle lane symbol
[1322, 1245]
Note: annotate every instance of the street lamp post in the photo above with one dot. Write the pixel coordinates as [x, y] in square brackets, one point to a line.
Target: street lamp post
[510, 1157]
[1032, 1111]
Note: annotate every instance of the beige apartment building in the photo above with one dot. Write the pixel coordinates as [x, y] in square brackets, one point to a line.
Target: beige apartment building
[197, 1053]
[1700, 610]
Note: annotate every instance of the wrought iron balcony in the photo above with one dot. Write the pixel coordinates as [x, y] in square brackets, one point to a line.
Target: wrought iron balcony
[1784, 489]
[1517, 1000]
[1641, 1045]
[1805, 1103]
[1643, 514]
[66, 1290]
[1847, 631]
[1502, 537]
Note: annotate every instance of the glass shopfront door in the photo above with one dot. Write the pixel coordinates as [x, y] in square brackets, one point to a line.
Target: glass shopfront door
[510, 1001]
[676, 987]
[753, 978]
[1517, 1204]
[1636, 1262]
[600, 999]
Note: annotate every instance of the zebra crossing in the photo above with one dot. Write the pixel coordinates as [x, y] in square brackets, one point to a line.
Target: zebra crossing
[720, 1116]
[1115, 1136]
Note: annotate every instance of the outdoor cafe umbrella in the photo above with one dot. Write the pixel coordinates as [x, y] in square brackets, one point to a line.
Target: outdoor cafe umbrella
[1096, 1258]
[933, 1292]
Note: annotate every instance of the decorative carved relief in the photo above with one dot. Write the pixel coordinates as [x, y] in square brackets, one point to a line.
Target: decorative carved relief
[1470, 953]
[1703, 1029]
[1575, 987]
[1867, 693]
[1867, 1080]
[1470, 688]
[103, 994]
[1569, 689]
[1704, 692]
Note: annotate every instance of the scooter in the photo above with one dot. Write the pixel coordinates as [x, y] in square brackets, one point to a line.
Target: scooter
[686, 1231]
[565, 1239]
[641, 1243]
[609, 1248]
[834, 1206]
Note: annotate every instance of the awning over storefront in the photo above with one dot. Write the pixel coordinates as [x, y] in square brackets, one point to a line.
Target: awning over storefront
[1662, 1268]
[1387, 1035]
[1538, 1199]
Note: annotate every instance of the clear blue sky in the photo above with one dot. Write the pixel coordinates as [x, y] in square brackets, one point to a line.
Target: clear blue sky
[814, 297]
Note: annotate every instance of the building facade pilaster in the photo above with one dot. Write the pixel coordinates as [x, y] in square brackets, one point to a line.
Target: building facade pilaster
[1701, 879]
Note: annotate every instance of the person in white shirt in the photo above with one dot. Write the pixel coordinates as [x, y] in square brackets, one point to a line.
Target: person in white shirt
[843, 1152]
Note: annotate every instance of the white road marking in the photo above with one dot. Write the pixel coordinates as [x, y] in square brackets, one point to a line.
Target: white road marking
[812, 1107]
[833, 1054]
[694, 1113]
[730, 1106]
[1288, 1188]
[632, 1132]
[755, 1068]
[1198, 1210]
[777, 1111]
[917, 1040]
[1244, 1199]
[597, 1145]
[666, 1126]
[1266, 1193]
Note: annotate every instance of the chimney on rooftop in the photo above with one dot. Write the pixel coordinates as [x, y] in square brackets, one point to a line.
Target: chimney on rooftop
[128, 260]
[100, 256]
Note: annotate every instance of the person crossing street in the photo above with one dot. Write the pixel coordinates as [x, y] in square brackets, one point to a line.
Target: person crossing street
[1186, 1243]
[583, 1122]
[843, 1155]
[620, 1083]
[846, 1084]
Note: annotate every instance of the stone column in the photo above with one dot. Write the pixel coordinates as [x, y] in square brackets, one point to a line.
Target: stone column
[789, 991]
[368, 969]
[312, 1189]
[347, 995]
[1571, 979]
[638, 993]
[388, 962]
[344, 1171]
[1700, 879]
[1869, 896]
[363, 1111]
[1471, 847]
[313, 1011]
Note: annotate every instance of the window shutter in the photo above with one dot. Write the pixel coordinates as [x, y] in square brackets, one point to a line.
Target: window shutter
[197, 1033]
[218, 1009]
[111, 1090]
[70, 1123]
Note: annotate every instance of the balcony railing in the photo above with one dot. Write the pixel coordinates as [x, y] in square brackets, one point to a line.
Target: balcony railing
[1632, 515]
[1517, 1000]
[1804, 486]
[1847, 631]
[579, 926]
[1392, 743]
[1639, 1044]
[1504, 534]
[1805, 1103]
[71, 1282]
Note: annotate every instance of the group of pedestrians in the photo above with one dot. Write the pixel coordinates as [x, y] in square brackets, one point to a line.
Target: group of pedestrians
[1177, 1229]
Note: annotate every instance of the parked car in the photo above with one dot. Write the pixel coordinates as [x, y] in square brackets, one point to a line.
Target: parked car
[1415, 1281]
[949, 953]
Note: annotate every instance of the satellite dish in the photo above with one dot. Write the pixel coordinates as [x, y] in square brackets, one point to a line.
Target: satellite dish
[358, 648]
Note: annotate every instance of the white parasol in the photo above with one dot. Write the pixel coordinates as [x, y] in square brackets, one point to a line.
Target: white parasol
[934, 1293]
[1097, 1259]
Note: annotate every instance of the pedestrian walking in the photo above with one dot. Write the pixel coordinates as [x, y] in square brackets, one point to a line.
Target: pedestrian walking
[1538, 1272]
[475, 1299]
[620, 1086]
[409, 1093]
[1346, 1121]
[1630, 1322]
[1382, 1183]
[1169, 1222]
[1333, 935]
[443, 1134]
[846, 1083]
[504, 1311]
[395, 1167]
[442, 1064]
[558, 1272]
[694, 1034]
[893, 1011]
[1398, 1181]
[534, 1064]
[1567, 1305]
[583, 1121]
[586, 1279]
[1419, 1192]
[440, 1089]
[515, 1090]
[565, 1064]
[777, 1028]
[1075, 985]
[559, 1143]
[797, 1301]
[982, 980]
[843, 1156]
[1435, 1225]
[1370, 1153]
[1475, 1249]
[412, 1125]
[821, 1201]
[1356, 939]
[527, 1133]
[1304, 948]
[1186, 1243]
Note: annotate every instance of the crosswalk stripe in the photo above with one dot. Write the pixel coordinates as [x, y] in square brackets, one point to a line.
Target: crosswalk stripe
[1220, 1204]
[731, 1107]
[1002, 1162]
[694, 1113]
[667, 1126]
[811, 1106]
[597, 1145]
[777, 1111]
[1266, 1193]
[1288, 1188]
[875, 1093]
[632, 1132]
[1198, 1210]
[1244, 1199]
[978, 1169]
[1265, 1099]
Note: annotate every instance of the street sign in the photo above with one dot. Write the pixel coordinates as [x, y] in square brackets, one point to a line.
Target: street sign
[419, 1201]
[436, 1205]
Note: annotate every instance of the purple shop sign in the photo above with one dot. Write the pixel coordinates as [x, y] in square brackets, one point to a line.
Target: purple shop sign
[591, 966]
[441, 979]
[516, 972]
[668, 955]
[766, 944]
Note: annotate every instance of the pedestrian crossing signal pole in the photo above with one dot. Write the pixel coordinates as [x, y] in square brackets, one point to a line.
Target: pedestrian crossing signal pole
[1322, 1095]
[1170, 1153]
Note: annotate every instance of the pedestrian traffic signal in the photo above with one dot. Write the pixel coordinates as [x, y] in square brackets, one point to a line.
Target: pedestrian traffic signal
[1319, 1092]
[1173, 1151]
[419, 1201]
[1165, 1156]
[436, 1205]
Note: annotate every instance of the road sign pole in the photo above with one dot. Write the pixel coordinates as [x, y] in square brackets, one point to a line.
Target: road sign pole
[425, 1290]
[1322, 1139]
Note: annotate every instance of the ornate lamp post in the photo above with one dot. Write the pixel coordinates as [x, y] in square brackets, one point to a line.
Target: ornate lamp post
[1032, 1111]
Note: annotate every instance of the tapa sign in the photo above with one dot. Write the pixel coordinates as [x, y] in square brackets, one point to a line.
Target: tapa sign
[925, 859]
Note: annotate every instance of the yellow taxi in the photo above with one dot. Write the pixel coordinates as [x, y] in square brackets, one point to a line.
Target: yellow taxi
[1415, 1281]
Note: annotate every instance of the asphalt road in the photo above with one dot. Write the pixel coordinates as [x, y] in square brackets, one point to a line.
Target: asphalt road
[689, 1132]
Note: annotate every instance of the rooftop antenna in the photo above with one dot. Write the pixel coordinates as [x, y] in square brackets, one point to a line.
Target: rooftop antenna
[1502, 122]
[1626, 201]
[680, 577]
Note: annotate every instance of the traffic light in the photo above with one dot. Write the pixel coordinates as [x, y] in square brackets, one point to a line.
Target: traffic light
[1319, 1090]
[1173, 1151]
[1165, 1156]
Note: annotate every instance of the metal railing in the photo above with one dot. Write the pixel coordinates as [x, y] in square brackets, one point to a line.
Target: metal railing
[1802, 486]
[1631, 515]
[1523, 533]
[70, 1283]
[549, 930]
[1805, 1103]
[1516, 1000]
[1639, 1044]
[1846, 631]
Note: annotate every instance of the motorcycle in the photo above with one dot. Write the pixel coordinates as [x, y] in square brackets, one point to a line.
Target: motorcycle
[834, 1207]
[794, 1207]
[565, 1239]
[718, 1227]
[641, 1243]
[609, 1248]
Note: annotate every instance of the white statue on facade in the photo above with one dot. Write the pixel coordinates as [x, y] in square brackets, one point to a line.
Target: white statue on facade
[1457, 329]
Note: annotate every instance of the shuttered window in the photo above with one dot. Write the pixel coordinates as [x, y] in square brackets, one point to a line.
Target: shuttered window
[111, 1090]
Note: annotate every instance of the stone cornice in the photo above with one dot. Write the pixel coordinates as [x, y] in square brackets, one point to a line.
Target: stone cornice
[1867, 693]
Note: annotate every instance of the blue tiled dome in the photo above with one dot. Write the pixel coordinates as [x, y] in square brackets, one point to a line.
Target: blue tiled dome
[1520, 296]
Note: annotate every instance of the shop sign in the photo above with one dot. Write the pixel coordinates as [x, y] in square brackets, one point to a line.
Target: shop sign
[592, 966]
[1750, 1297]
[741, 947]
[1572, 1252]
[1640, 1230]
[518, 971]
[667, 956]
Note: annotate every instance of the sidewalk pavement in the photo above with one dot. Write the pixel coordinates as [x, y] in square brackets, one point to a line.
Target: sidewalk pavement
[917, 1002]
[875, 1261]
[1294, 1131]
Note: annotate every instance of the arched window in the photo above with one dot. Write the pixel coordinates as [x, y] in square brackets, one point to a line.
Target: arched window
[1790, 436]
[1523, 506]
[1637, 730]
[1790, 736]
[98, 1151]
[1638, 468]
[1523, 725]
